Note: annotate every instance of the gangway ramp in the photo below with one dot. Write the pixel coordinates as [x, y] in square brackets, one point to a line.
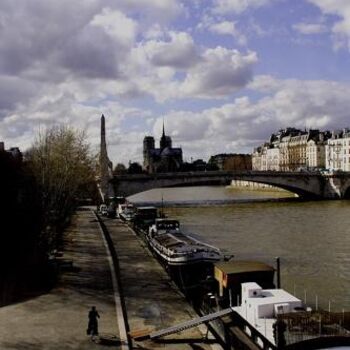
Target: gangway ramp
[139, 335]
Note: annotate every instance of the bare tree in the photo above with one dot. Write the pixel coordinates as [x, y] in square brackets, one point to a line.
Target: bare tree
[62, 163]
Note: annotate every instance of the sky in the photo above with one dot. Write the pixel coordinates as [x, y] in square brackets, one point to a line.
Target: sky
[222, 74]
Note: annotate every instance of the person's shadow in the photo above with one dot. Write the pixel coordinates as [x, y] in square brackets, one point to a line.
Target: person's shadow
[107, 339]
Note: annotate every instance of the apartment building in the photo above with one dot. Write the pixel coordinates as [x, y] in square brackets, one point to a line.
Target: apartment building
[337, 151]
[292, 150]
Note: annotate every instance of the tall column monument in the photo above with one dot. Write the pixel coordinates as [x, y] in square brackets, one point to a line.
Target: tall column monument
[106, 167]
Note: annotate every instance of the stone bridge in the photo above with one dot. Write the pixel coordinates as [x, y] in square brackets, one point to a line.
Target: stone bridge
[313, 185]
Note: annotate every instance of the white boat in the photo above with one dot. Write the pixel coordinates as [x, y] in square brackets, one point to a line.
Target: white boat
[176, 248]
[126, 212]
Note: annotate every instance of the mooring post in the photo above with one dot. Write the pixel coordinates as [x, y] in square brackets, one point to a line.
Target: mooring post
[278, 269]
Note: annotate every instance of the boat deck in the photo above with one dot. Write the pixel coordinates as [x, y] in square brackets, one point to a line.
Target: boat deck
[179, 240]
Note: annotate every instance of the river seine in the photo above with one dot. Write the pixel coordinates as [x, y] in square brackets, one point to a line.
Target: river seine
[312, 238]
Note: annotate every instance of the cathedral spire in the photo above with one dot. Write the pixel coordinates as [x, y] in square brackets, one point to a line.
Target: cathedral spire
[163, 139]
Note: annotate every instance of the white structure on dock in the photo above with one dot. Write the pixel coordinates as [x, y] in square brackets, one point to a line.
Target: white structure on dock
[260, 307]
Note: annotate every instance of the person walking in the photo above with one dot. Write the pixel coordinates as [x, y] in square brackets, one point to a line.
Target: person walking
[93, 322]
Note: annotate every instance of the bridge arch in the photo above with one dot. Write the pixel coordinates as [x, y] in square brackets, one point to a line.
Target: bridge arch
[304, 185]
[290, 188]
[308, 187]
[299, 192]
[136, 188]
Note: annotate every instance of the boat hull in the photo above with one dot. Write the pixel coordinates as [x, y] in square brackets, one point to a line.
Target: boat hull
[189, 262]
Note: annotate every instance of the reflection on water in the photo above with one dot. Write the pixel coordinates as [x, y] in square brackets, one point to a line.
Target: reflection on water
[312, 238]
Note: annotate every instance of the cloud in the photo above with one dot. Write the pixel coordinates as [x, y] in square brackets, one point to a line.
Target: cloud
[237, 126]
[228, 28]
[244, 123]
[18, 127]
[154, 10]
[88, 51]
[71, 61]
[221, 72]
[26, 38]
[179, 69]
[179, 52]
[14, 91]
[341, 27]
[65, 55]
[310, 103]
[90, 54]
[310, 28]
[223, 7]
[225, 27]
[117, 25]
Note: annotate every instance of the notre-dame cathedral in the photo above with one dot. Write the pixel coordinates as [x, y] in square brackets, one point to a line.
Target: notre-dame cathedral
[163, 159]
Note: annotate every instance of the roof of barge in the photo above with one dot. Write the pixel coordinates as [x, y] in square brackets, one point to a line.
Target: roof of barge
[242, 266]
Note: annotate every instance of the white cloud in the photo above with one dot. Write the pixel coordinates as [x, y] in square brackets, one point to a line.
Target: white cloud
[97, 54]
[310, 28]
[221, 72]
[237, 6]
[311, 103]
[341, 28]
[243, 124]
[117, 25]
[228, 28]
[155, 32]
[73, 73]
[95, 50]
[157, 10]
[20, 126]
[178, 68]
[179, 52]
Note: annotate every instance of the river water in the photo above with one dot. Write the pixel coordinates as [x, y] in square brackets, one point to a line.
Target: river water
[312, 238]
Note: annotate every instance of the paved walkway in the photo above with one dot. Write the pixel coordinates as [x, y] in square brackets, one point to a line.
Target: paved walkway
[58, 320]
[152, 301]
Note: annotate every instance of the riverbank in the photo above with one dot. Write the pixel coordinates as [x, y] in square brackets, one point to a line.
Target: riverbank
[152, 300]
[126, 284]
[58, 319]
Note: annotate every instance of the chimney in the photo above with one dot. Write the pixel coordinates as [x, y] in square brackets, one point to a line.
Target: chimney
[2, 146]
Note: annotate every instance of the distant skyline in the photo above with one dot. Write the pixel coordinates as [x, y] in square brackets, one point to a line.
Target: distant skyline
[223, 74]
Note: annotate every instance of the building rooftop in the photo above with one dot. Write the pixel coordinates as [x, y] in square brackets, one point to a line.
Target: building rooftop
[272, 296]
[236, 267]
